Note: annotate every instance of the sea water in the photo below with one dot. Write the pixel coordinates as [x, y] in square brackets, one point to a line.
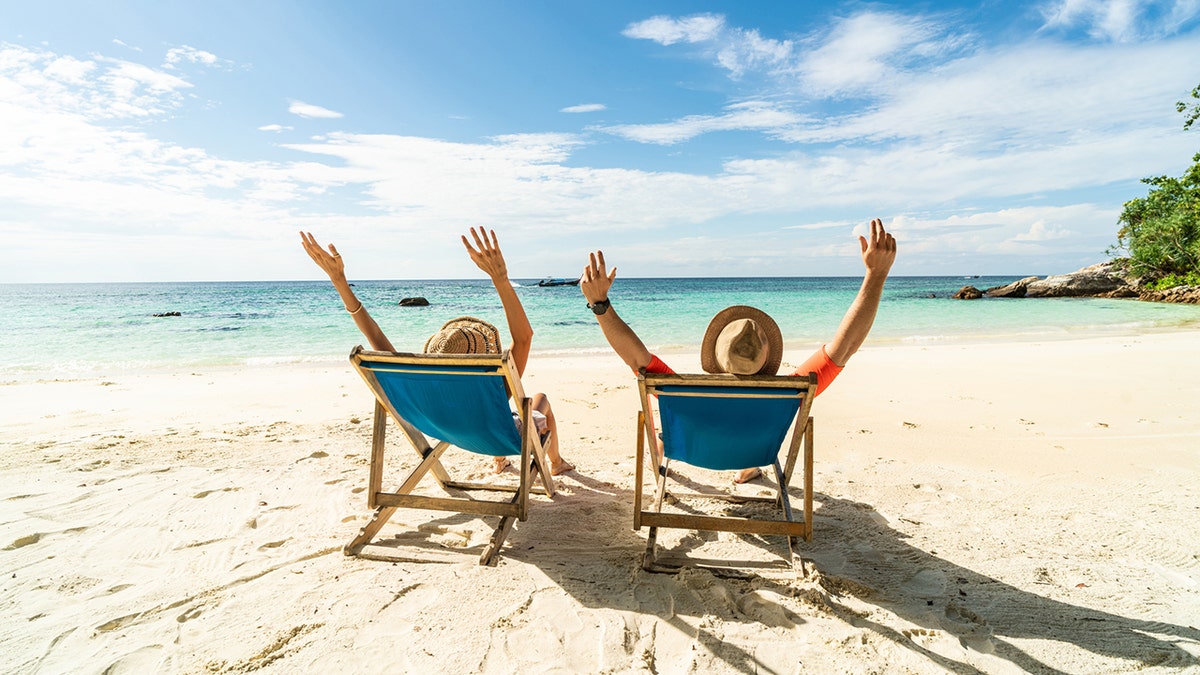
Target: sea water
[83, 330]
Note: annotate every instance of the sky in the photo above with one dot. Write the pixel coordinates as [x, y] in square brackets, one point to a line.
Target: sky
[174, 141]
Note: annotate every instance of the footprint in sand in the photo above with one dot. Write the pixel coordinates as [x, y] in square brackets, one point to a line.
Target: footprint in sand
[926, 584]
[27, 540]
[766, 608]
[202, 495]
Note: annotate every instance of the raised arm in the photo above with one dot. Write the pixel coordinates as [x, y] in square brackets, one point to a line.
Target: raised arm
[487, 256]
[331, 262]
[595, 282]
[878, 254]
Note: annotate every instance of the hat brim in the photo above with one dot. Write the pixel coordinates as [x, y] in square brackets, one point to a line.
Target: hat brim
[708, 346]
[491, 335]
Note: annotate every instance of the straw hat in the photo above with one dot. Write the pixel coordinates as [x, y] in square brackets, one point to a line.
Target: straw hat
[464, 335]
[742, 340]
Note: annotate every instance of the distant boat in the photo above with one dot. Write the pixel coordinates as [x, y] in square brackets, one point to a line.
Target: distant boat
[550, 281]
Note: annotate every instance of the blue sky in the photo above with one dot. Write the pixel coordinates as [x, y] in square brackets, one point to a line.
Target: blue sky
[151, 141]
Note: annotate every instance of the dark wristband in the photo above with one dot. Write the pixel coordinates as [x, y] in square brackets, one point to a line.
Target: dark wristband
[600, 307]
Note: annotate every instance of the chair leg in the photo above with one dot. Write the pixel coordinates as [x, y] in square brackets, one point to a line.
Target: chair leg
[491, 553]
[368, 532]
[648, 562]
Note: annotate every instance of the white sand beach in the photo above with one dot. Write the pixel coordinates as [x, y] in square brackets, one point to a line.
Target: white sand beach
[997, 508]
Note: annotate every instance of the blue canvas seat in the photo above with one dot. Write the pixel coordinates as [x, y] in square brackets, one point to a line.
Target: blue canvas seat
[724, 422]
[461, 401]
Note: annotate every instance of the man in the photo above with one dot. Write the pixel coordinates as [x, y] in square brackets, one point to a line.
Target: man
[746, 341]
[464, 335]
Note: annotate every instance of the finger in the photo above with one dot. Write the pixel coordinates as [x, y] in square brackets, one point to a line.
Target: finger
[495, 242]
[478, 241]
[600, 256]
[591, 262]
[333, 250]
[612, 275]
[862, 243]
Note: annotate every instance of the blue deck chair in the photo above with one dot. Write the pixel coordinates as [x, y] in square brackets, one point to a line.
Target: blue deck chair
[724, 422]
[461, 401]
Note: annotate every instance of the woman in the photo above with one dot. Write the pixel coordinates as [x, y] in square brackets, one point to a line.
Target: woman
[456, 336]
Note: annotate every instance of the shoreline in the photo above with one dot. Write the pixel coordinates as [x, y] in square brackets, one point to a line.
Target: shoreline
[1024, 506]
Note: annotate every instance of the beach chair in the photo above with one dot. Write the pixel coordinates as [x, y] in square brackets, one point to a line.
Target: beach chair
[723, 422]
[461, 401]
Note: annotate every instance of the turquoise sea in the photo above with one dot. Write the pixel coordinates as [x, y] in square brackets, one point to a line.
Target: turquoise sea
[82, 330]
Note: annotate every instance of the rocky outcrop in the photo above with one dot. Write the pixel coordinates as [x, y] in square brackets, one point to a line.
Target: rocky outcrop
[1188, 295]
[1097, 280]
[1104, 280]
[1016, 289]
[414, 302]
[167, 314]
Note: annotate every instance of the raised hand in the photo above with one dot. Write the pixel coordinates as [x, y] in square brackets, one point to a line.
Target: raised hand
[596, 279]
[879, 252]
[330, 261]
[486, 254]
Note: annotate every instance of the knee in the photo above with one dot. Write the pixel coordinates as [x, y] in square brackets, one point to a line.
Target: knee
[542, 405]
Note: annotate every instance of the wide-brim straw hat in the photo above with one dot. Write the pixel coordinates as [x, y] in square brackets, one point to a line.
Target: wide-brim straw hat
[751, 331]
[464, 335]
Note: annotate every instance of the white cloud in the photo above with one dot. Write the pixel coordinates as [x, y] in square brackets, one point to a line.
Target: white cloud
[1121, 20]
[307, 110]
[747, 116]
[746, 50]
[176, 55]
[667, 31]
[584, 108]
[274, 127]
[864, 52]
[69, 70]
[1040, 231]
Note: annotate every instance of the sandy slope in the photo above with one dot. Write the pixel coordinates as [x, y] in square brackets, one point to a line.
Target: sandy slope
[983, 508]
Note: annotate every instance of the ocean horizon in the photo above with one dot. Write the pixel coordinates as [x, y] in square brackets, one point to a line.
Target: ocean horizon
[65, 330]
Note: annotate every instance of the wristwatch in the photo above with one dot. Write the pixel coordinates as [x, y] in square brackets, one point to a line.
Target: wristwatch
[600, 307]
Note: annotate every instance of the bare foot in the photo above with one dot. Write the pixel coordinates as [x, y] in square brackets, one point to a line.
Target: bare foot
[747, 475]
[560, 467]
[502, 463]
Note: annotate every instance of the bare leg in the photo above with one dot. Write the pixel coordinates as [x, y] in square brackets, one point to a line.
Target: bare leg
[502, 463]
[558, 465]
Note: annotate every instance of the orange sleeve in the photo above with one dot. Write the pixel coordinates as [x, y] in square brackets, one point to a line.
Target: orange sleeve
[657, 366]
[823, 366]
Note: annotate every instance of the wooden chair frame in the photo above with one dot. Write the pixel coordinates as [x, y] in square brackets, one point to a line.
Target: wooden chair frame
[649, 385]
[533, 463]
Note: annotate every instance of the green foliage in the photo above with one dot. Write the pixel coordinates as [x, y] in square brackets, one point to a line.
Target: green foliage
[1161, 231]
[1173, 280]
[1192, 111]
